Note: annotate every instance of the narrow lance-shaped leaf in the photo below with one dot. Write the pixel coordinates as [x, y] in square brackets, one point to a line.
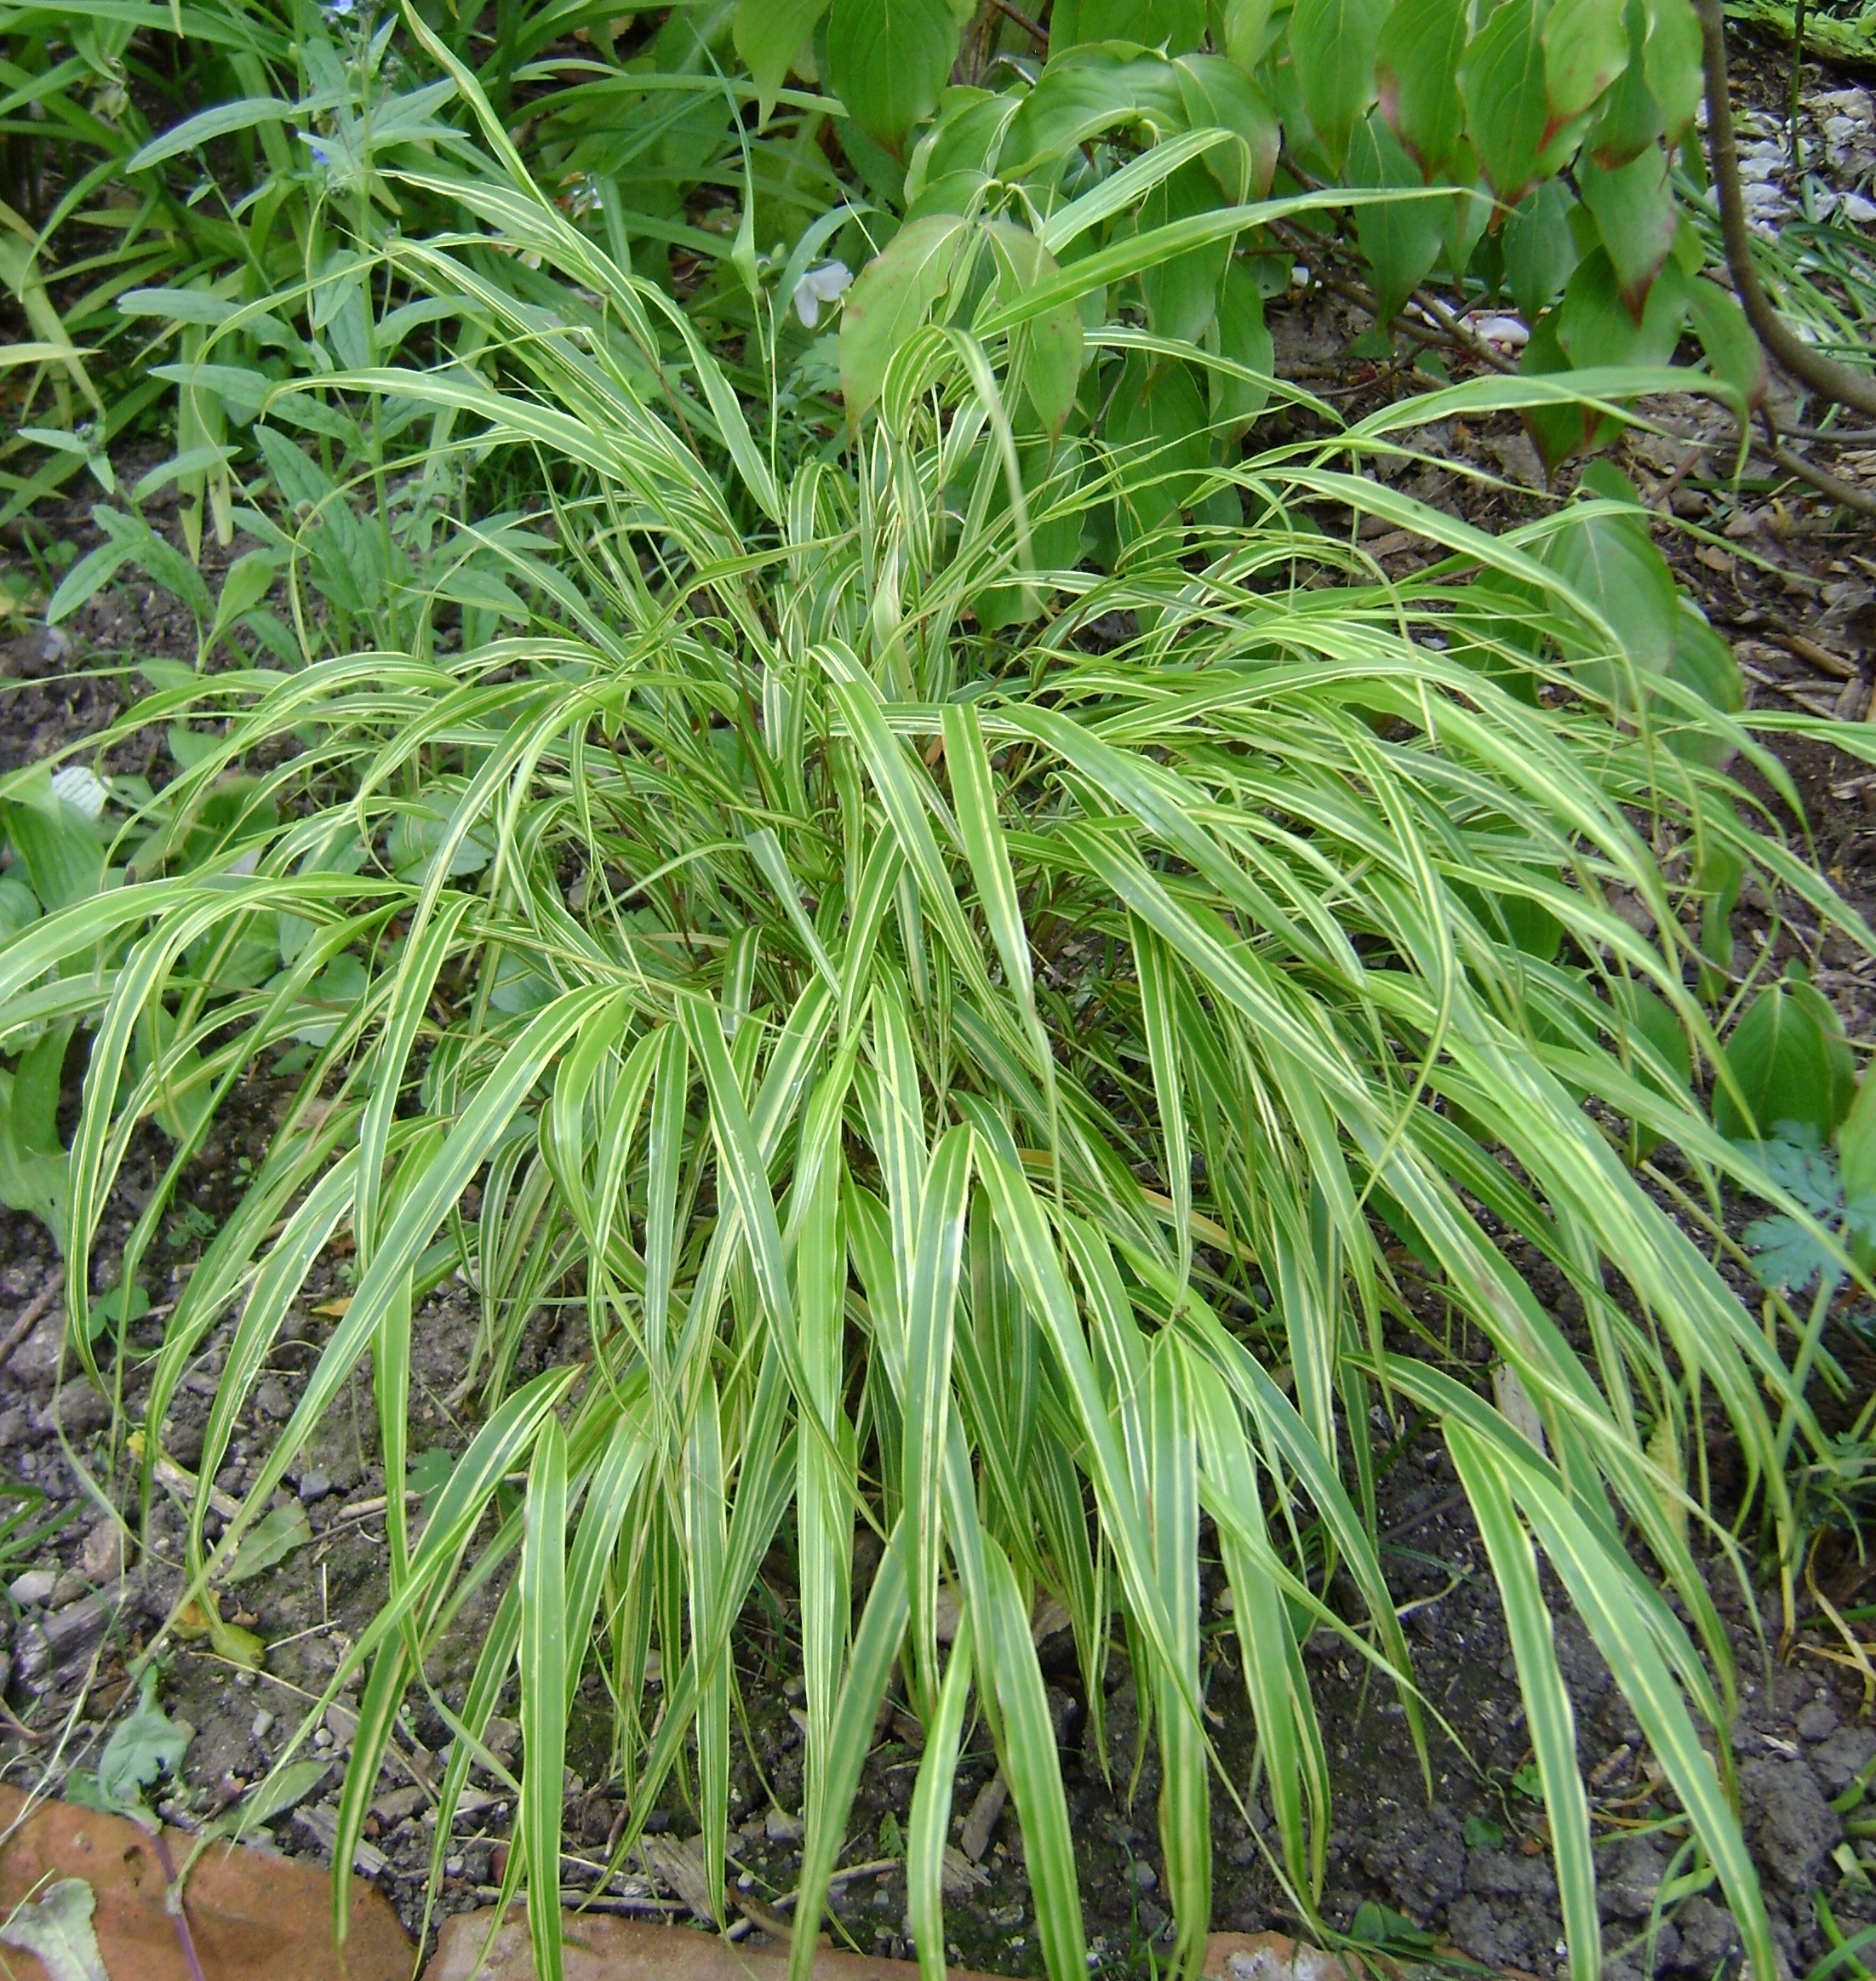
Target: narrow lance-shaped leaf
[931, 1318]
[876, 1644]
[930, 1825]
[543, 1690]
[1546, 1702]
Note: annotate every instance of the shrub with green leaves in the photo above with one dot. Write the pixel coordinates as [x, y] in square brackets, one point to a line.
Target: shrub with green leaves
[957, 961]
[1532, 154]
[1528, 149]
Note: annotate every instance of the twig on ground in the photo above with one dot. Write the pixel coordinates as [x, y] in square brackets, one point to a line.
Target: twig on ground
[1821, 658]
[1822, 479]
[1823, 375]
[31, 1313]
[1833, 436]
[1466, 339]
[1792, 691]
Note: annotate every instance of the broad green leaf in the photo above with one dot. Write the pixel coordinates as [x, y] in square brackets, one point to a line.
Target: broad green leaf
[1857, 1143]
[770, 34]
[1244, 339]
[886, 60]
[57, 845]
[1672, 60]
[1789, 1062]
[33, 1180]
[1052, 347]
[146, 1749]
[1092, 90]
[1703, 661]
[220, 120]
[1586, 48]
[32, 1112]
[1401, 239]
[1417, 68]
[19, 906]
[1629, 118]
[1247, 31]
[1470, 214]
[1332, 45]
[1610, 563]
[1540, 248]
[892, 297]
[250, 578]
[1183, 293]
[1596, 328]
[953, 160]
[1218, 93]
[1508, 106]
[1171, 26]
[1157, 415]
[1651, 1021]
[1634, 210]
[1733, 350]
[1558, 428]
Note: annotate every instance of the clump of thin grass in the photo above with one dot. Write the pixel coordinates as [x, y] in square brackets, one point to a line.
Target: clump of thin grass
[970, 1083]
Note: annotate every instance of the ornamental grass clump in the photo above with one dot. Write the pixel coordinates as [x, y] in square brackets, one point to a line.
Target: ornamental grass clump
[968, 1040]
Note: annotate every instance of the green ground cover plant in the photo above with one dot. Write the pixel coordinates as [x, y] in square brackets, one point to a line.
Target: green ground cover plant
[955, 919]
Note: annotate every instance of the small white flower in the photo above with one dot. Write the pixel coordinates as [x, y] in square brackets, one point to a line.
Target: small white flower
[825, 284]
[81, 789]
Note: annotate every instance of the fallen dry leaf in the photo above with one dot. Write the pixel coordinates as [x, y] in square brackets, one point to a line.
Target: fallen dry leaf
[600, 1947]
[251, 1913]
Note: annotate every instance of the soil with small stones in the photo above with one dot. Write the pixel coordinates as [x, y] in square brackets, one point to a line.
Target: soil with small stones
[1457, 1856]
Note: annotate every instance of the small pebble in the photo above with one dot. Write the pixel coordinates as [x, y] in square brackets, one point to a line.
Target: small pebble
[779, 1827]
[1145, 1877]
[322, 1737]
[70, 1586]
[262, 1725]
[314, 1485]
[453, 1867]
[103, 1557]
[30, 1589]
[270, 1397]
[1817, 1722]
